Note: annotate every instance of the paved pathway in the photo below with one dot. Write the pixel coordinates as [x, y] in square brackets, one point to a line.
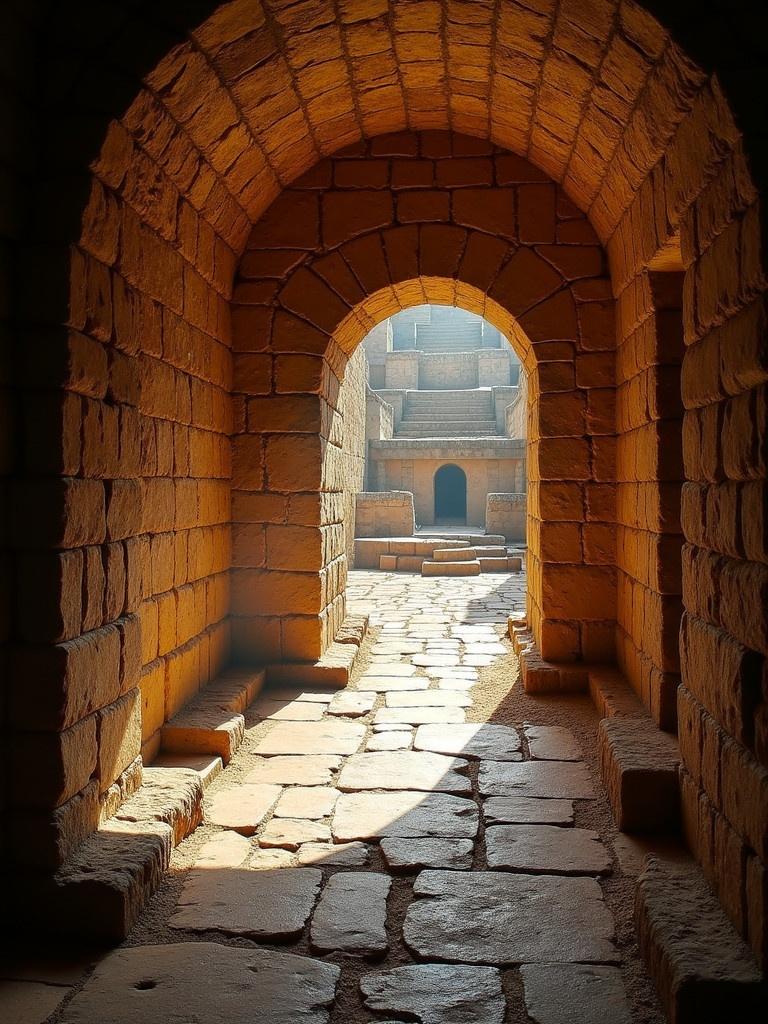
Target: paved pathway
[404, 849]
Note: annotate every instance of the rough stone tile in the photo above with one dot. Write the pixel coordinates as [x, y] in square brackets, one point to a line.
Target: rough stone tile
[546, 849]
[29, 1002]
[405, 769]
[242, 808]
[435, 660]
[394, 740]
[144, 984]
[352, 703]
[391, 684]
[574, 994]
[307, 802]
[224, 850]
[290, 711]
[390, 668]
[343, 855]
[268, 860]
[437, 993]
[418, 716]
[290, 833]
[406, 814]
[521, 810]
[327, 737]
[429, 699]
[412, 854]
[475, 740]
[551, 743]
[569, 781]
[352, 913]
[269, 905]
[503, 918]
[301, 770]
[286, 694]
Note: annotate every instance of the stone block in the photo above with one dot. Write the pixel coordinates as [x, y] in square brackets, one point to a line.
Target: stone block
[454, 554]
[388, 563]
[703, 971]
[430, 568]
[639, 766]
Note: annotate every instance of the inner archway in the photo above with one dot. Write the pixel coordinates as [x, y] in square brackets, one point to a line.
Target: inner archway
[450, 496]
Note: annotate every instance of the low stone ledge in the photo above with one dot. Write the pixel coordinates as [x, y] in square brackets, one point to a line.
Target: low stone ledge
[703, 971]
[173, 796]
[538, 675]
[333, 669]
[99, 893]
[612, 695]
[639, 767]
[468, 568]
[213, 722]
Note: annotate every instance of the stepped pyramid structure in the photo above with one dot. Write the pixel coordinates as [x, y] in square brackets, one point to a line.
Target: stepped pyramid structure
[445, 427]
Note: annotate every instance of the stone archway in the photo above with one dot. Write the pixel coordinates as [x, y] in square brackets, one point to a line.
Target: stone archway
[450, 493]
[121, 494]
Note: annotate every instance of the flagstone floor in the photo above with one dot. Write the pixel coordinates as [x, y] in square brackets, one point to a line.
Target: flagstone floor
[428, 844]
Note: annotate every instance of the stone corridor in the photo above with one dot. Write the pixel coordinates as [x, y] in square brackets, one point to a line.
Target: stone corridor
[429, 843]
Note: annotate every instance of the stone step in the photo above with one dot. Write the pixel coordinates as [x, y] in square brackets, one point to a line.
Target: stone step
[401, 563]
[639, 767]
[490, 550]
[471, 539]
[498, 564]
[454, 555]
[430, 432]
[213, 722]
[703, 971]
[101, 890]
[368, 550]
[430, 568]
[333, 669]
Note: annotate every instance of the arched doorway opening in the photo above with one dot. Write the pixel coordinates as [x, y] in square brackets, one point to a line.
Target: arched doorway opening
[450, 496]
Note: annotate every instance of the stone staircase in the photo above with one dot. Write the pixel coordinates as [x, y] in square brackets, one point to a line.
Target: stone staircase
[447, 337]
[448, 414]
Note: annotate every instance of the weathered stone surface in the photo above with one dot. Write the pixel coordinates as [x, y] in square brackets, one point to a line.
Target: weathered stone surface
[393, 740]
[343, 855]
[109, 879]
[406, 814]
[437, 993]
[470, 739]
[639, 765]
[260, 904]
[29, 1002]
[301, 770]
[286, 694]
[289, 711]
[546, 849]
[243, 808]
[569, 780]
[418, 716]
[429, 699]
[702, 969]
[498, 810]
[410, 854]
[210, 982]
[551, 743]
[306, 802]
[405, 769]
[352, 703]
[207, 766]
[574, 994]
[170, 795]
[352, 913]
[204, 730]
[268, 860]
[389, 668]
[290, 833]
[392, 684]
[223, 850]
[500, 918]
[328, 737]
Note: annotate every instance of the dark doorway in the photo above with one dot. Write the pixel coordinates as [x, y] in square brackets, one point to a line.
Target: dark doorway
[450, 495]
